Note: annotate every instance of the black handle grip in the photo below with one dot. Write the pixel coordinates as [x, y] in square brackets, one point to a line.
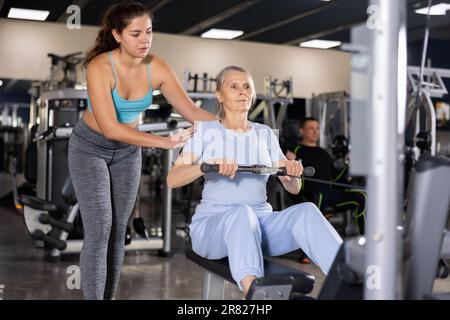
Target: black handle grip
[46, 219]
[205, 168]
[307, 171]
[44, 135]
[56, 243]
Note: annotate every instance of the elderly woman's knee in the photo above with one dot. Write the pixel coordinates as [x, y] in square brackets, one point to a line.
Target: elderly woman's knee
[309, 208]
[305, 213]
[243, 213]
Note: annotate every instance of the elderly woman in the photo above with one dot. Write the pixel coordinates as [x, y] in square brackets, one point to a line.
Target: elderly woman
[234, 219]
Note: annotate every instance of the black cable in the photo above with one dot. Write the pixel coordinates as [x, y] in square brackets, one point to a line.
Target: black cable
[422, 65]
[409, 142]
[308, 172]
[338, 184]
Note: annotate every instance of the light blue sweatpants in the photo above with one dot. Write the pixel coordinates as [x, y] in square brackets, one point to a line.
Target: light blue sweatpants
[246, 233]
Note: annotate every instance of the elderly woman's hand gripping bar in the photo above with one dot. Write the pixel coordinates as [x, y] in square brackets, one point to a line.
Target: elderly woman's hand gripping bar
[258, 169]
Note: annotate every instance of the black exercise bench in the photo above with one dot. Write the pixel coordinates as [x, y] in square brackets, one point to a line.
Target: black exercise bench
[280, 282]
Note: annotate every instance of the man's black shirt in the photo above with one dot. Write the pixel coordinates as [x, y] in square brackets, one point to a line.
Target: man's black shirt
[318, 158]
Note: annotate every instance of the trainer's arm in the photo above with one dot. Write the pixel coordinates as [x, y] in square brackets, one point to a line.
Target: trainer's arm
[175, 94]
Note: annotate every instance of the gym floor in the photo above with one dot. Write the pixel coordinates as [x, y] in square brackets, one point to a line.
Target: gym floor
[24, 273]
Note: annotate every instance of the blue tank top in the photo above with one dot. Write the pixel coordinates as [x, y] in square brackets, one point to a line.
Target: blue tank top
[128, 110]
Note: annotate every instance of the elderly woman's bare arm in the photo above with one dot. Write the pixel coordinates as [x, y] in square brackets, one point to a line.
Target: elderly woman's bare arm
[184, 171]
[291, 185]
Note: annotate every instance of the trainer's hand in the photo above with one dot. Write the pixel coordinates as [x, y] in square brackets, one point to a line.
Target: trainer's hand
[227, 166]
[179, 139]
[293, 168]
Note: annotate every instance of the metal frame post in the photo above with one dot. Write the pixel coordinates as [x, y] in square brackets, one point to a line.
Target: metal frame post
[382, 276]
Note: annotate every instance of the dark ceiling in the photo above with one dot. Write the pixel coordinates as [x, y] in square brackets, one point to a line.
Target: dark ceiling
[269, 21]
[14, 87]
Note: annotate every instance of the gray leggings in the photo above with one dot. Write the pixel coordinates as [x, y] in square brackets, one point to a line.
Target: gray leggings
[105, 176]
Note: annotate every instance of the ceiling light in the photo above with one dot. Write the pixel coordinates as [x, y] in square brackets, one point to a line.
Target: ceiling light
[320, 44]
[154, 107]
[1, 83]
[439, 9]
[156, 92]
[28, 14]
[222, 34]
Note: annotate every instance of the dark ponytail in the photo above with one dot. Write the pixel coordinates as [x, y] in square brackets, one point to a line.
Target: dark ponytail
[118, 16]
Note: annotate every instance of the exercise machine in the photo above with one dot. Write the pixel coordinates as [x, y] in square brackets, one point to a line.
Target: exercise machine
[51, 215]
